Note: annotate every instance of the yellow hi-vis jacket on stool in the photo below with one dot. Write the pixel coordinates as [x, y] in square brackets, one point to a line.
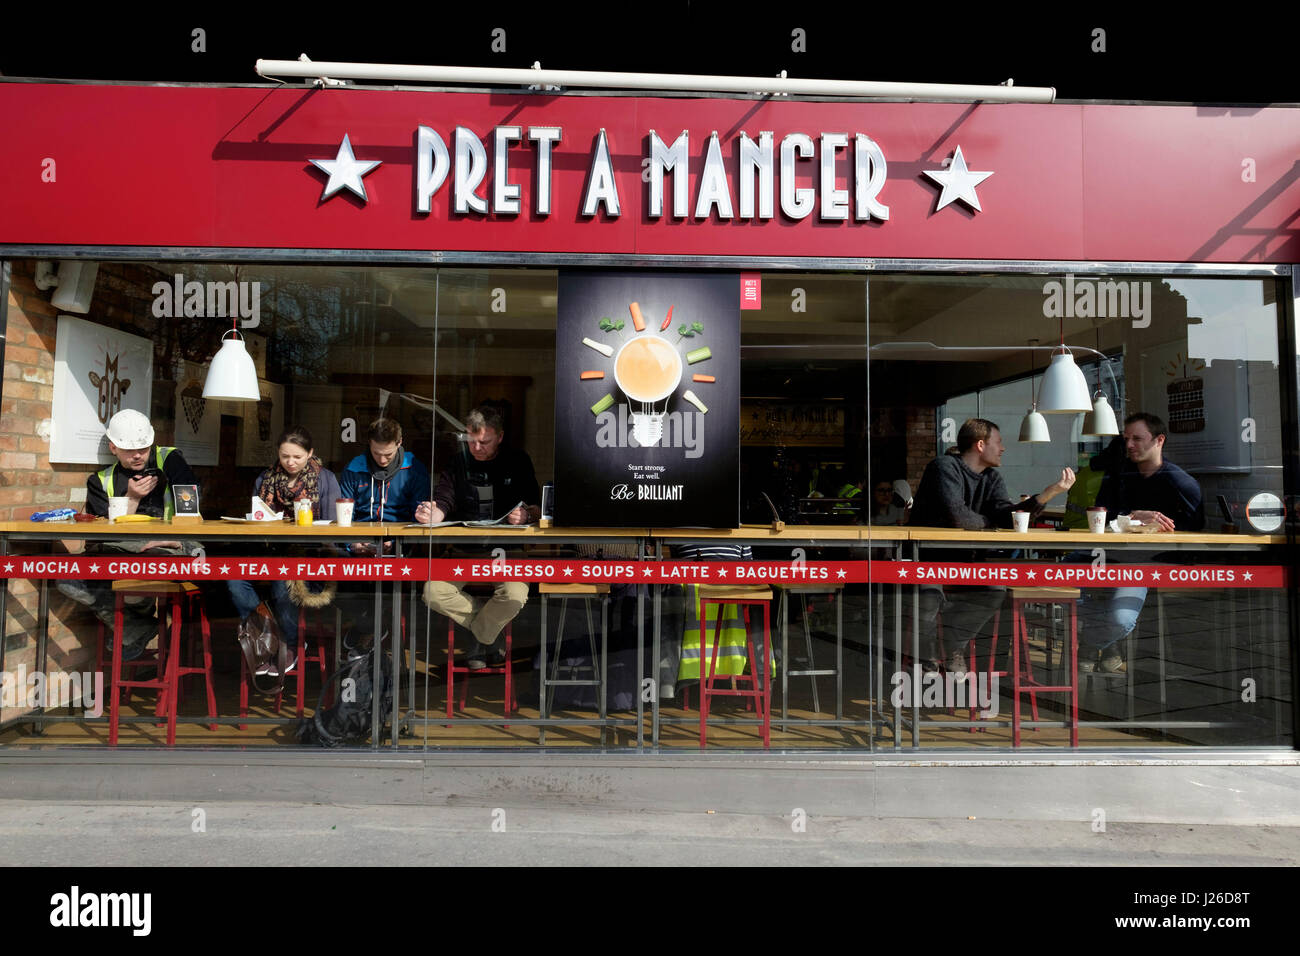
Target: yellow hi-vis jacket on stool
[731, 639]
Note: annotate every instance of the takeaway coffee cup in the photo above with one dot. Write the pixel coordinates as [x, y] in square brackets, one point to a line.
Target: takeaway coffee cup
[1020, 520]
[343, 512]
[116, 508]
[1097, 520]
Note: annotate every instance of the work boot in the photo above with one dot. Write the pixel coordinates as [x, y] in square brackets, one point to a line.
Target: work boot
[77, 591]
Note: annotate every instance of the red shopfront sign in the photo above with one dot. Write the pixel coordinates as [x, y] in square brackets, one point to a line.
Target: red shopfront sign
[258, 168]
[575, 571]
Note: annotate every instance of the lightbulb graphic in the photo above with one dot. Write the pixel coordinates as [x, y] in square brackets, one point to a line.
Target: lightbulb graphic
[648, 370]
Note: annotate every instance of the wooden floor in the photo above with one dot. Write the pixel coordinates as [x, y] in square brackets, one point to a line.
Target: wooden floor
[680, 728]
[1198, 683]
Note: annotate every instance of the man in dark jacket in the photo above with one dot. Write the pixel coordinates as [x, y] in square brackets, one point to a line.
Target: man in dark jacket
[1150, 490]
[143, 474]
[483, 482]
[963, 489]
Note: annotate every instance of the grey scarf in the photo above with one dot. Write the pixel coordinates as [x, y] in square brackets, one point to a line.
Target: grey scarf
[386, 473]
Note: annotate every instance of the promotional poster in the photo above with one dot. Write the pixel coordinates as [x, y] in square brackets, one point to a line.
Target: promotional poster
[647, 400]
[98, 371]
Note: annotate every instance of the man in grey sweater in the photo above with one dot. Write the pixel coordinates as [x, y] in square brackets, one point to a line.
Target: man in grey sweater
[963, 489]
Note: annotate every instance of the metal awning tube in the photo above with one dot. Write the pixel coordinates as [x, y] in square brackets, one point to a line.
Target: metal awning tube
[409, 73]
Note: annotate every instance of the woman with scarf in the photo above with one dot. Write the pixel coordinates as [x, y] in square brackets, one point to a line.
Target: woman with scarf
[296, 475]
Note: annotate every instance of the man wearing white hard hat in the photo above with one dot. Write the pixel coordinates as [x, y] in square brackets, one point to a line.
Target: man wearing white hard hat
[144, 475]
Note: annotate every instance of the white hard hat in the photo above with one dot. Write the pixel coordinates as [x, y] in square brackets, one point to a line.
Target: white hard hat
[129, 429]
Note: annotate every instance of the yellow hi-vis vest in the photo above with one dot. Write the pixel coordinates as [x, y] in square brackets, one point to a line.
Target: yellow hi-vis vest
[160, 454]
[731, 639]
[848, 491]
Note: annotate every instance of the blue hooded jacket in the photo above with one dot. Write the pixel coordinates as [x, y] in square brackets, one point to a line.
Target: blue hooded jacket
[380, 499]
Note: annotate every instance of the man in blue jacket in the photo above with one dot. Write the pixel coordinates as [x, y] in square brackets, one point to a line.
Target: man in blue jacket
[386, 484]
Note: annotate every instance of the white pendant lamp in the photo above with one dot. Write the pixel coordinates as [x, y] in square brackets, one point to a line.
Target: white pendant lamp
[1064, 389]
[232, 376]
[1100, 422]
[1033, 428]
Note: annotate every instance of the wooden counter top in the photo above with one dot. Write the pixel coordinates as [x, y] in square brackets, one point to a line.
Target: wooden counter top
[168, 530]
[1006, 538]
[763, 532]
[753, 533]
[528, 533]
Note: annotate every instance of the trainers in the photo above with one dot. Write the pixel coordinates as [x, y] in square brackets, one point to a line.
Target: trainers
[273, 669]
[77, 591]
[1113, 664]
[476, 659]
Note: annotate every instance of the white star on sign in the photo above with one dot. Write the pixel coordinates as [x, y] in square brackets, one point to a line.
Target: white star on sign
[406, 570]
[902, 572]
[568, 572]
[1248, 576]
[722, 572]
[93, 568]
[1031, 574]
[458, 570]
[648, 573]
[9, 567]
[345, 171]
[1155, 575]
[225, 569]
[958, 182]
[841, 573]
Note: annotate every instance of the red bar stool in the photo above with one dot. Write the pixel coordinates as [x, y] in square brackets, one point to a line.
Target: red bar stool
[759, 692]
[972, 663]
[174, 597]
[1024, 682]
[508, 669]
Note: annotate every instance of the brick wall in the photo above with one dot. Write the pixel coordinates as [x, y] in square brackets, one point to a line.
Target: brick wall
[29, 483]
[920, 442]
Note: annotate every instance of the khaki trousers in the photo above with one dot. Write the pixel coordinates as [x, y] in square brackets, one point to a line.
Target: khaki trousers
[484, 619]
